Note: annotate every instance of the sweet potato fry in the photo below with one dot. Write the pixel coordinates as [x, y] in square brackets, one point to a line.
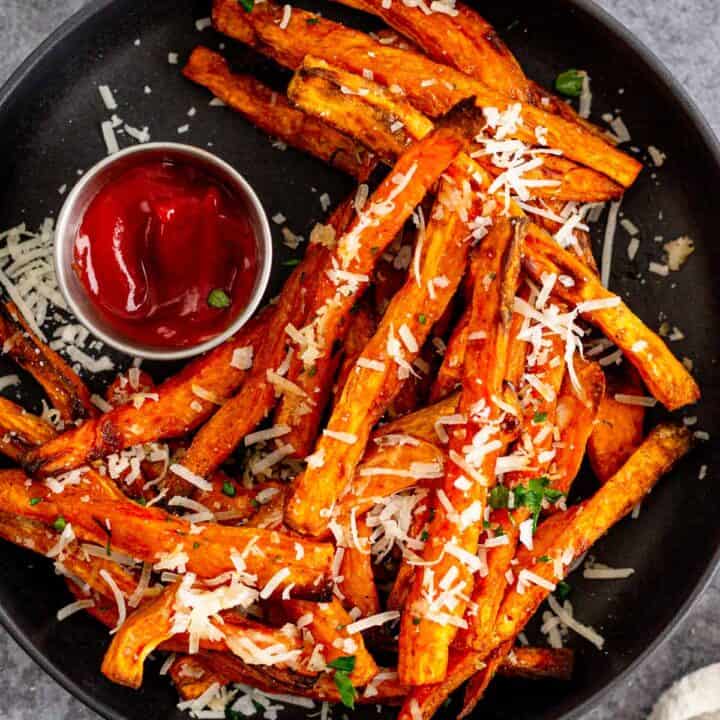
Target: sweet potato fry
[138, 636]
[216, 440]
[271, 112]
[576, 420]
[362, 327]
[178, 410]
[357, 588]
[66, 391]
[618, 429]
[422, 423]
[538, 663]
[328, 629]
[349, 49]
[385, 123]
[293, 409]
[192, 676]
[385, 362]
[430, 622]
[21, 431]
[662, 448]
[665, 376]
[152, 535]
[480, 681]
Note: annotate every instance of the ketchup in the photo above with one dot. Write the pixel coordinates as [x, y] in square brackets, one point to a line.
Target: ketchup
[166, 252]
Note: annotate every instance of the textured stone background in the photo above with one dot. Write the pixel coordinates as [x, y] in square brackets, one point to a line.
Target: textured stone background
[685, 34]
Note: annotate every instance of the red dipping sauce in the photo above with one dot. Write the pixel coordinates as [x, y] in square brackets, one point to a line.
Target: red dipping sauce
[167, 253]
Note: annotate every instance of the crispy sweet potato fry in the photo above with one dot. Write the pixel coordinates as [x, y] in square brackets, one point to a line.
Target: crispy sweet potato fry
[349, 49]
[576, 419]
[328, 628]
[662, 448]
[479, 682]
[150, 534]
[66, 391]
[421, 424]
[178, 410]
[138, 636]
[362, 327]
[618, 429]
[347, 265]
[21, 431]
[385, 123]
[426, 627]
[192, 676]
[271, 112]
[358, 588]
[384, 363]
[214, 442]
[315, 382]
[665, 376]
[537, 663]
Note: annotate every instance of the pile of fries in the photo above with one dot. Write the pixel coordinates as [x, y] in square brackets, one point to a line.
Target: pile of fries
[420, 384]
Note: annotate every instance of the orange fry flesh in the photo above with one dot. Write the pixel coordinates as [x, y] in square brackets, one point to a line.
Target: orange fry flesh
[349, 49]
[271, 112]
[371, 113]
[424, 642]
[21, 430]
[178, 410]
[665, 376]
[150, 534]
[618, 430]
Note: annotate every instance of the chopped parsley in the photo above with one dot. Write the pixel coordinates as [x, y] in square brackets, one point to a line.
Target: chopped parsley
[424, 535]
[343, 666]
[229, 489]
[312, 21]
[219, 299]
[530, 496]
[422, 319]
[60, 523]
[539, 417]
[292, 262]
[570, 83]
[544, 559]
[563, 590]
[35, 501]
[247, 5]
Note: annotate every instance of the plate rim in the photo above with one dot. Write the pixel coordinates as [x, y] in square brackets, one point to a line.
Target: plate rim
[706, 134]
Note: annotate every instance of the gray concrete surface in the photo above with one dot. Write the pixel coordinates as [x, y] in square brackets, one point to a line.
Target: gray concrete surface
[685, 34]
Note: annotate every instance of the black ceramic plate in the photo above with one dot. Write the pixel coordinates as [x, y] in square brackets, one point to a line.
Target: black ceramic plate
[50, 114]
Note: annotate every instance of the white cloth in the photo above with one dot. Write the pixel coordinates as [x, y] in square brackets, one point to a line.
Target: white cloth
[694, 697]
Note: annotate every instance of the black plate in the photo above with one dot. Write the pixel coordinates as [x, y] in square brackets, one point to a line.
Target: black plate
[50, 114]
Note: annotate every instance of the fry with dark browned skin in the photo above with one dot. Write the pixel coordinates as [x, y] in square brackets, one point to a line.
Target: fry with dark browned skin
[354, 256]
[66, 391]
[357, 588]
[178, 410]
[466, 41]
[191, 676]
[387, 124]
[151, 534]
[271, 112]
[349, 49]
[385, 362]
[426, 632]
[576, 418]
[315, 382]
[21, 431]
[421, 424]
[479, 682]
[665, 376]
[660, 450]
[362, 327]
[618, 429]
[537, 663]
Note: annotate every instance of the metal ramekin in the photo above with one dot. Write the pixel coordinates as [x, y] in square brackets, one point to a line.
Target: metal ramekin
[82, 195]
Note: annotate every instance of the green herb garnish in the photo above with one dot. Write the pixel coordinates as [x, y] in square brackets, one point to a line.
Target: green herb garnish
[570, 83]
[416, 621]
[35, 501]
[229, 489]
[544, 559]
[219, 299]
[312, 371]
[60, 523]
[563, 590]
[255, 503]
[293, 262]
[312, 21]
[539, 417]
[530, 496]
[424, 535]
[422, 319]
[343, 666]
[247, 5]
[499, 497]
